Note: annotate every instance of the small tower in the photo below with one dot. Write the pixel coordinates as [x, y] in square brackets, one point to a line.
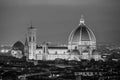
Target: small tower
[32, 42]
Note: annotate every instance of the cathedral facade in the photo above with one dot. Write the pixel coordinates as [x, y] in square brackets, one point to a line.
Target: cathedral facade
[81, 45]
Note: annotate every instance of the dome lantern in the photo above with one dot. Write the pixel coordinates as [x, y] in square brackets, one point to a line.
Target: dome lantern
[82, 20]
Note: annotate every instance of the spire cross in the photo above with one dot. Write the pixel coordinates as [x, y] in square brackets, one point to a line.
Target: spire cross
[82, 20]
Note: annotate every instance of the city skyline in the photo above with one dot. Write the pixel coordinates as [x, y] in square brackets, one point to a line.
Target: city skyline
[55, 19]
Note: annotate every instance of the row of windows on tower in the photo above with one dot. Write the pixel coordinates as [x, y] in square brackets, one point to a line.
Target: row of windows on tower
[31, 39]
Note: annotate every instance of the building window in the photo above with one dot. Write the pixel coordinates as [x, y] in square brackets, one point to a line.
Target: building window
[44, 50]
[29, 39]
[75, 47]
[40, 52]
[33, 39]
[56, 52]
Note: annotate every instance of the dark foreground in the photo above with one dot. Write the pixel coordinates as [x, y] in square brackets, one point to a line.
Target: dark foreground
[20, 69]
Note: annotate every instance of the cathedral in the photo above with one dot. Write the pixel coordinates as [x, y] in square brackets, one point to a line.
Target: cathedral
[81, 45]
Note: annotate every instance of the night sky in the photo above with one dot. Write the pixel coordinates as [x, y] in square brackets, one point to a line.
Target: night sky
[55, 19]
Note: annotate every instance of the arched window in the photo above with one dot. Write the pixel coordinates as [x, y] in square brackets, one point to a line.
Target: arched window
[29, 39]
[75, 47]
[33, 39]
[55, 52]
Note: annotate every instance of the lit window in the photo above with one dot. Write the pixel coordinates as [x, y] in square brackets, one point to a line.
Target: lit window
[2, 50]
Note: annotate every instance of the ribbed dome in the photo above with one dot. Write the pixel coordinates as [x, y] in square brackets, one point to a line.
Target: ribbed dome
[82, 34]
[18, 46]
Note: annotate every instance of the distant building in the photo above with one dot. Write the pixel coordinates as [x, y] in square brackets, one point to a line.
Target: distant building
[18, 50]
[81, 44]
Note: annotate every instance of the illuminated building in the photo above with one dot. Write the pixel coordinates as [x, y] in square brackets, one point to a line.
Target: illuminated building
[81, 44]
[82, 39]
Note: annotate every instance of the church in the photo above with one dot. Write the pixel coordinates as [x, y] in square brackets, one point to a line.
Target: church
[81, 45]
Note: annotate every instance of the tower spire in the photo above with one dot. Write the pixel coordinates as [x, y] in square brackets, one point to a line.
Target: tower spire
[82, 20]
[31, 25]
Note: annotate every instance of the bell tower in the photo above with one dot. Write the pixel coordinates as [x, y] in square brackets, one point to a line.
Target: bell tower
[31, 37]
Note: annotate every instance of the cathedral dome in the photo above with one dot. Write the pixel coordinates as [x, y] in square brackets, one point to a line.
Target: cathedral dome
[82, 34]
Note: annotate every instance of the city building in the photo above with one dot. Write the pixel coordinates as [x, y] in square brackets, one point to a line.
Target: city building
[18, 49]
[81, 44]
